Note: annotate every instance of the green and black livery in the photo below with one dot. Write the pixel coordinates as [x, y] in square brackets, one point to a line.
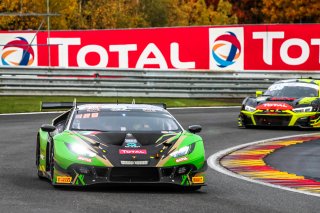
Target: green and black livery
[79, 149]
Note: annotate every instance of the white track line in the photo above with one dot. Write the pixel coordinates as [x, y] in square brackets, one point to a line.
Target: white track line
[213, 162]
[35, 113]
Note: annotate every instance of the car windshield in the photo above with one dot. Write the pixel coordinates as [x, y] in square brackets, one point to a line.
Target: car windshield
[125, 121]
[293, 90]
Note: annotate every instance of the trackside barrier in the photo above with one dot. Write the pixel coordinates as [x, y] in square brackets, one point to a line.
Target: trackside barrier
[139, 83]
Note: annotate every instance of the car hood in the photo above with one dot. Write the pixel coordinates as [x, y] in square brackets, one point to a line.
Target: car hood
[123, 147]
[122, 138]
[279, 103]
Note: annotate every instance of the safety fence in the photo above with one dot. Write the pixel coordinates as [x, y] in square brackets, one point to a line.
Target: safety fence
[139, 83]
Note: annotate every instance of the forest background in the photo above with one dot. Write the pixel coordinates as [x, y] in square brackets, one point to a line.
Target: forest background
[111, 14]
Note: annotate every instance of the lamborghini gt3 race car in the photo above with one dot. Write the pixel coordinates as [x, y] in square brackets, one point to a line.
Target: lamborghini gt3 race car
[119, 143]
[293, 102]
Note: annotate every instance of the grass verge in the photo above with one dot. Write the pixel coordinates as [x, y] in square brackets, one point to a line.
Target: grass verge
[15, 104]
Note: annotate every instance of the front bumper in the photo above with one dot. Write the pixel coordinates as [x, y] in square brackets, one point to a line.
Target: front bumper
[284, 118]
[81, 175]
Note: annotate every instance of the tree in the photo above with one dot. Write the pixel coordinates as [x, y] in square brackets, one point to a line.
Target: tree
[291, 11]
[21, 6]
[155, 12]
[223, 14]
[248, 11]
[67, 14]
[102, 14]
[200, 12]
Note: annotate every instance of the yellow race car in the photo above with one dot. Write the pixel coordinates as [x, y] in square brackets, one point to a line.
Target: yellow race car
[294, 102]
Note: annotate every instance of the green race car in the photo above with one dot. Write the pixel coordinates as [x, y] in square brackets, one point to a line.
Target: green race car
[294, 102]
[119, 143]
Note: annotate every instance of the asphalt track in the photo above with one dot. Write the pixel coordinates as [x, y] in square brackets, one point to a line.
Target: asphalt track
[22, 191]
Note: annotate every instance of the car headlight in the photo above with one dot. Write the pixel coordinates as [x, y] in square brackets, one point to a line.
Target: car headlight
[181, 152]
[81, 150]
[249, 108]
[303, 109]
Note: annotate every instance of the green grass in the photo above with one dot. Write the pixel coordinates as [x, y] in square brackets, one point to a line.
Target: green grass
[14, 104]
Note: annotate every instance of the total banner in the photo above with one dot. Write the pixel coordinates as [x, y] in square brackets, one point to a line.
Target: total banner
[216, 48]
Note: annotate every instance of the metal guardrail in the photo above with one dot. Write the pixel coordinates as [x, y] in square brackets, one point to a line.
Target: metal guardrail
[139, 83]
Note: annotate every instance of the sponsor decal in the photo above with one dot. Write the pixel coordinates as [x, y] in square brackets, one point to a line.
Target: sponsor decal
[198, 179]
[87, 115]
[145, 162]
[64, 179]
[226, 48]
[131, 142]
[132, 151]
[79, 180]
[274, 106]
[132, 145]
[85, 159]
[178, 160]
[17, 50]
[94, 115]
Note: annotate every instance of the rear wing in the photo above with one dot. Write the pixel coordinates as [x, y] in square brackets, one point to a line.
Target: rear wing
[69, 105]
[162, 105]
[56, 105]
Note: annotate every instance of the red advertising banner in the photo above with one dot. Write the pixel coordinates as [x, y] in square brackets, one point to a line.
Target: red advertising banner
[282, 47]
[240, 48]
[164, 48]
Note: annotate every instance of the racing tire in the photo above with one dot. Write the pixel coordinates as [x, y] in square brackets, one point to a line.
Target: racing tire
[241, 123]
[37, 153]
[39, 173]
[51, 163]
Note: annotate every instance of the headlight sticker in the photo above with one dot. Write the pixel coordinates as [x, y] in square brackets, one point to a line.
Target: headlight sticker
[178, 160]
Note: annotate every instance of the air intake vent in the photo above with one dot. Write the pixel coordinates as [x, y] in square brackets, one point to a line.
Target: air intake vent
[134, 174]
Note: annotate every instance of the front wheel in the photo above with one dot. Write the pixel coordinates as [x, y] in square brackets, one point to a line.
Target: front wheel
[241, 123]
[39, 173]
[51, 164]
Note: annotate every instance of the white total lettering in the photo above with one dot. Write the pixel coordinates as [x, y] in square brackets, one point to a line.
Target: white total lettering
[158, 59]
[123, 51]
[267, 38]
[316, 42]
[175, 61]
[305, 51]
[81, 57]
[63, 48]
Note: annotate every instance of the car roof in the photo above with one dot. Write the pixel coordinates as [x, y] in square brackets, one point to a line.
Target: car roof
[301, 80]
[121, 107]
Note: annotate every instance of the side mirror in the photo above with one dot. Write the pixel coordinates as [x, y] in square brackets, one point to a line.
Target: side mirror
[195, 129]
[259, 93]
[48, 128]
